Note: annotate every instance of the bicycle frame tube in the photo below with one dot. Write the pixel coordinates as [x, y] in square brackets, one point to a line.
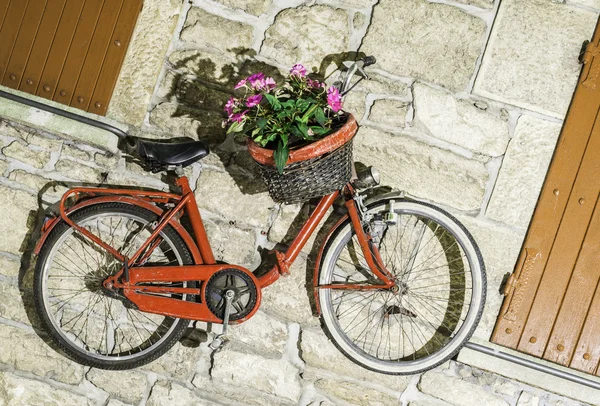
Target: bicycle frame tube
[284, 261]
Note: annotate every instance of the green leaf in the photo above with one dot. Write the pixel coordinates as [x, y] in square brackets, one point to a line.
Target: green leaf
[273, 101]
[319, 130]
[255, 132]
[296, 132]
[303, 129]
[281, 156]
[236, 127]
[261, 123]
[320, 116]
[302, 105]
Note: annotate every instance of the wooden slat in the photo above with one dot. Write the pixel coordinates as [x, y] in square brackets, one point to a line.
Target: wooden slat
[573, 312]
[24, 43]
[564, 252]
[586, 357]
[41, 46]
[115, 56]
[60, 48]
[549, 211]
[3, 10]
[78, 52]
[10, 30]
[96, 54]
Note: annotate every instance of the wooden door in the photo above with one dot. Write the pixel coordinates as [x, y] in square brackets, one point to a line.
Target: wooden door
[552, 304]
[69, 51]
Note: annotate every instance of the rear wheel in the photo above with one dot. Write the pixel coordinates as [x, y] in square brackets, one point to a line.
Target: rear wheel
[92, 325]
[441, 282]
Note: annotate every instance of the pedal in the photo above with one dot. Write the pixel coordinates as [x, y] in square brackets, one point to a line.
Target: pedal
[222, 338]
[218, 342]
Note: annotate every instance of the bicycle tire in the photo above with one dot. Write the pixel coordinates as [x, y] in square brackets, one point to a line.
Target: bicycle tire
[55, 322]
[403, 317]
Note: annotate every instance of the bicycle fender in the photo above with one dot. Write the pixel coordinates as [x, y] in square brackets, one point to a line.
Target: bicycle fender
[183, 233]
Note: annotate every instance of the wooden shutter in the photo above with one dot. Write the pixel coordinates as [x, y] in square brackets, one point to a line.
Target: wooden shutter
[552, 304]
[69, 51]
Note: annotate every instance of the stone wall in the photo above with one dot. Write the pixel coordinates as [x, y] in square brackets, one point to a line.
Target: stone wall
[463, 109]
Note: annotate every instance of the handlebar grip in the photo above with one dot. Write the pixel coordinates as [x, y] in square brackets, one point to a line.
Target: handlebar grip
[369, 60]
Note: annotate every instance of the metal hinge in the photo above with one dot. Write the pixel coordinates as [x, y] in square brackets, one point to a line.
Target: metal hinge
[587, 56]
[509, 285]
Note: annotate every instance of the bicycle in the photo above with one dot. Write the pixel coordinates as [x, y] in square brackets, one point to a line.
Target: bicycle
[399, 284]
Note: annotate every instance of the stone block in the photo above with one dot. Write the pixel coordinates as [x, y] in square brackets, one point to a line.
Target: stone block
[3, 167]
[107, 160]
[319, 352]
[9, 267]
[11, 305]
[456, 391]
[459, 122]
[531, 60]
[75, 152]
[49, 190]
[263, 333]
[290, 298]
[190, 92]
[423, 170]
[19, 391]
[588, 3]
[389, 112]
[20, 152]
[478, 3]
[137, 79]
[500, 247]
[16, 207]
[433, 42]
[127, 385]
[286, 45]
[208, 66]
[255, 7]
[174, 394]
[183, 121]
[523, 171]
[382, 86]
[351, 391]
[232, 244]
[178, 363]
[209, 30]
[273, 376]
[355, 103]
[219, 193]
[527, 399]
[79, 172]
[25, 351]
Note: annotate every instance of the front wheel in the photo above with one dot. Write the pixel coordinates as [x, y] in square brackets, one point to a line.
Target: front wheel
[440, 293]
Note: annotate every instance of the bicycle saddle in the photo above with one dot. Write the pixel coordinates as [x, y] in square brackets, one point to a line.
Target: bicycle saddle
[169, 153]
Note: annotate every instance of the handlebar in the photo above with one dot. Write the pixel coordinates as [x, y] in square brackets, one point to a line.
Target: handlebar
[357, 65]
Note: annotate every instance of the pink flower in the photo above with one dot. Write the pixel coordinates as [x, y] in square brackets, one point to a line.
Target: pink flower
[298, 70]
[256, 76]
[238, 117]
[258, 84]
[241, 83]
[254, 100]
[270, 83]
[230, 105]
[334, 99]
[315, 83]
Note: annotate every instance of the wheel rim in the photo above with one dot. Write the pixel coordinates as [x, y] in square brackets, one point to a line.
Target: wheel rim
[101, 325]
[432, 313]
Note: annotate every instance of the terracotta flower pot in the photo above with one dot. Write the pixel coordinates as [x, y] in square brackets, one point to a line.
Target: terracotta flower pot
[327, 144]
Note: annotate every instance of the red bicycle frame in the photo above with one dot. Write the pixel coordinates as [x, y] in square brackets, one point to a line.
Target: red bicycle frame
[130, 276]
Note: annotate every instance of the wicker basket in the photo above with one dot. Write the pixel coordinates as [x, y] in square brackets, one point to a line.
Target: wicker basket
[315, 170]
